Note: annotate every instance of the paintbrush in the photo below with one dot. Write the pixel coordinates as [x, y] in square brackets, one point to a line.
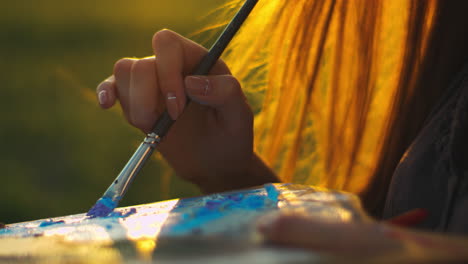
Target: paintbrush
[111, 198]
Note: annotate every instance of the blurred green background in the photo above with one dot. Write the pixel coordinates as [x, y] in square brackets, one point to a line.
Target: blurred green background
[58, 150]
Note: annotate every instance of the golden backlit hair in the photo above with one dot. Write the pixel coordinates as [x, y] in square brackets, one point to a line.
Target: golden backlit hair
[341, 86]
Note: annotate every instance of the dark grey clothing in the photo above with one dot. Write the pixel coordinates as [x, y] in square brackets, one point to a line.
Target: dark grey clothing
[433, 173]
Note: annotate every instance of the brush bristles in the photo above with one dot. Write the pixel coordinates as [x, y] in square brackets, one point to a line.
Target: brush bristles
[102, 208]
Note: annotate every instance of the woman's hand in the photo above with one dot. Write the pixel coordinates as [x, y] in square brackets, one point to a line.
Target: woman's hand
[211, 142]
[362, 240]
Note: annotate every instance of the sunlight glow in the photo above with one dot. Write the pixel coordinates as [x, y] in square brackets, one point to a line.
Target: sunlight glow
[144, 227]
[147, 225]
[320, 203]
[145, 248]
[81, 233]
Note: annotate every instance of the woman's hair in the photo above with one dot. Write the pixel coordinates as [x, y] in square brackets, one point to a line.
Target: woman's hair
[343, 87]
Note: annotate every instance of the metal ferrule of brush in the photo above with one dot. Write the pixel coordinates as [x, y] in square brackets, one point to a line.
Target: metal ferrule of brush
[120, 185]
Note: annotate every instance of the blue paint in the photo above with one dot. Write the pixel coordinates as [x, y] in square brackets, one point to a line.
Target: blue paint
[50, 222]
[213, 204]
[122, 214]
[193, 216]
[254, 202]
[234, 206]
[130, 212]
[102, 208]
[272, 192]
[204, 212]
[5, 230]
[235, 197]
[200, 217]
[216, 207]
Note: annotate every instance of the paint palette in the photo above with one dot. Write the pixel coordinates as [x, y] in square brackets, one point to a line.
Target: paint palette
[191, 229]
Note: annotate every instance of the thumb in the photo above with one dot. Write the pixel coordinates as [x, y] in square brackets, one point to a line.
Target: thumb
[222, 92]
[217, 91]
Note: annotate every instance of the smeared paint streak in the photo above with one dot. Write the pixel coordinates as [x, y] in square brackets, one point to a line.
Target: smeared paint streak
[254, 202]
[50, 222]
[102, 208]
[272, 192]
[213, 204]
[217, 207]
[237, 197]
[195, 220]
[123, 214]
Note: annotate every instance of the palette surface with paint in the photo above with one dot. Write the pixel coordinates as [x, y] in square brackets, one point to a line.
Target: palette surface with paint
[202, 229]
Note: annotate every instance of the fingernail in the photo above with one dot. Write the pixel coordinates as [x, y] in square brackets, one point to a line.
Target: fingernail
[172, 106]
[103, 97]
[198, 85]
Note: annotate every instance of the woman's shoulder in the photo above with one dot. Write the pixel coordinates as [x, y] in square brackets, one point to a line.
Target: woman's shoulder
[433, 173]
[459, 125]
[458, 147]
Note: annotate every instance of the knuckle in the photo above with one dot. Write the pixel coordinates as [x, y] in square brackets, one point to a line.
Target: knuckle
[226, 89]
[164, 36]
[142, 65]
[220, 68]
[233, 87]
[233, 82]
[123, 66]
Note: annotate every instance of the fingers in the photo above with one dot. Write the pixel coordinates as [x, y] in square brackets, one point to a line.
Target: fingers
[122, 73]
[134, 83]
[222, 92]
[145, 86]
[177, 57]
[143, 94]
